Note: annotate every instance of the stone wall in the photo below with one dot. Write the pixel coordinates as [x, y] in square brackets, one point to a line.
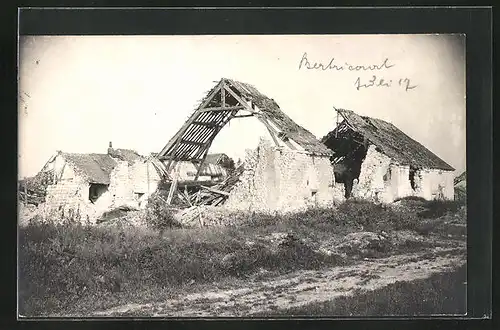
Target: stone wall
[69, 197]
[437, 184]
[278, 179]
[145, 178]
[121, 187]
[382, 180]
[371, 184]
[70, 194]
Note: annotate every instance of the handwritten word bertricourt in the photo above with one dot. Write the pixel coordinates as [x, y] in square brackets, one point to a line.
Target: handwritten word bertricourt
[375, 81]
[305, 63]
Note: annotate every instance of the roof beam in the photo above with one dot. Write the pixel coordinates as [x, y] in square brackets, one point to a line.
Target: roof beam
[223, 94]
[238, 107]
[271, 132]
[205, 124]
[239, 99]
[244, 116]
[192, 143]
[210, 140]
[174, 140]
[274, 133]
[201, 163]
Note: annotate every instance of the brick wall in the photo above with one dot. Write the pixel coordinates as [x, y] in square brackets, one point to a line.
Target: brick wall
[382, 180]
[437, 184]
[142, 172]
[145, 180]
[283, 180]
[68, 197]
[121, 187]
[371, 184]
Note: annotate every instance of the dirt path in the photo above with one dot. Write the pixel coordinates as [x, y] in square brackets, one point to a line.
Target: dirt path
[299, 288]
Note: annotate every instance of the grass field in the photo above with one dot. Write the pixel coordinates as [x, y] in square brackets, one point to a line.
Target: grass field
[71, 267]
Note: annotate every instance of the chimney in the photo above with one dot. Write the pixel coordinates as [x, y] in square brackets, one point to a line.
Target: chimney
[110, 148]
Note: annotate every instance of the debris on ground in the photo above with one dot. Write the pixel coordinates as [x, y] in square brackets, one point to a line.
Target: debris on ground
[196, 193]
[208, 215]
[362, 240]
[26, 213]
[33, 190]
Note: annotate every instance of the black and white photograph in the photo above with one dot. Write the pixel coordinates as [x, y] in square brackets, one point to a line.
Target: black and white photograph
[245, 176]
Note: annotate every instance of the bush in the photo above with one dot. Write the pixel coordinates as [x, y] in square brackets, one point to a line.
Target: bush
[461, 195]
[439, 208]
[160, 216]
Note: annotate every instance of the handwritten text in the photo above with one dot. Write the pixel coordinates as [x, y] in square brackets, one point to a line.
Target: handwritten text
[305, 63]
[375, 81]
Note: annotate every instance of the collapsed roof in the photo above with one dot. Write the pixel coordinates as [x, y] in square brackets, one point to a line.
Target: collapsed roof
[215, 158]
[127, 155]
[95, 168]
[389, 139]
[224, 102]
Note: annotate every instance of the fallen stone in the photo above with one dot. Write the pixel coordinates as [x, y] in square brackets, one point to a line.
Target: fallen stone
[361, 241]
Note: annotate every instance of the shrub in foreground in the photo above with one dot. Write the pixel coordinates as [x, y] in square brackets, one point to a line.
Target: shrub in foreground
[160, 216]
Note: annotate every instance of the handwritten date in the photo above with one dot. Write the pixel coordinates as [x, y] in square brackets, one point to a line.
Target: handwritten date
[375, 81]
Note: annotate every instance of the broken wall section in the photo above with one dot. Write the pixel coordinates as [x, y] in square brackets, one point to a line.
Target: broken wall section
[277, 179]
[130, 186]
[382, 180]
[69, 197]
[145, 181]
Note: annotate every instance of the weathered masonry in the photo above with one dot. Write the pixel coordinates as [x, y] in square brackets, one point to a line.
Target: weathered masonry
[291, 172]
[375, 160]
[84, 186]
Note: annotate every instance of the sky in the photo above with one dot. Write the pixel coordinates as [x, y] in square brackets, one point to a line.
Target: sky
[78, 93]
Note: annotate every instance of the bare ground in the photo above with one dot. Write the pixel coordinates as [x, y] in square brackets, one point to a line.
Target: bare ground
[265, 293]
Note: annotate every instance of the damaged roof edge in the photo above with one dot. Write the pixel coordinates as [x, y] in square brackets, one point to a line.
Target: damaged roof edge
[242, 93]
[393, 142]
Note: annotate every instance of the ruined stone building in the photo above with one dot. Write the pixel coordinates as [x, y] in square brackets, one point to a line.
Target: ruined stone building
[375, 160]
[291, 172]
[282, 179]
[87, 185]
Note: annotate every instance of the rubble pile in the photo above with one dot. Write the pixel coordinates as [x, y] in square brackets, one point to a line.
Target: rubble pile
[33, 190]
[216, 194]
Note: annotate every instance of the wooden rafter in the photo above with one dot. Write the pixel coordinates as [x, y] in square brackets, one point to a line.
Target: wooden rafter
[193, 141]
[270, 130]
[244, 116]
[237, 107]
[274, 133]
[210, 140]
[204, 123]
[223, 94]
[225, 193]
[200, 166]
[239, 99]
[189, 121]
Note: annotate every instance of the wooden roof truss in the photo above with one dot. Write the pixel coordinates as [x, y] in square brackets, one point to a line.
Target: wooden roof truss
[223, 103]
